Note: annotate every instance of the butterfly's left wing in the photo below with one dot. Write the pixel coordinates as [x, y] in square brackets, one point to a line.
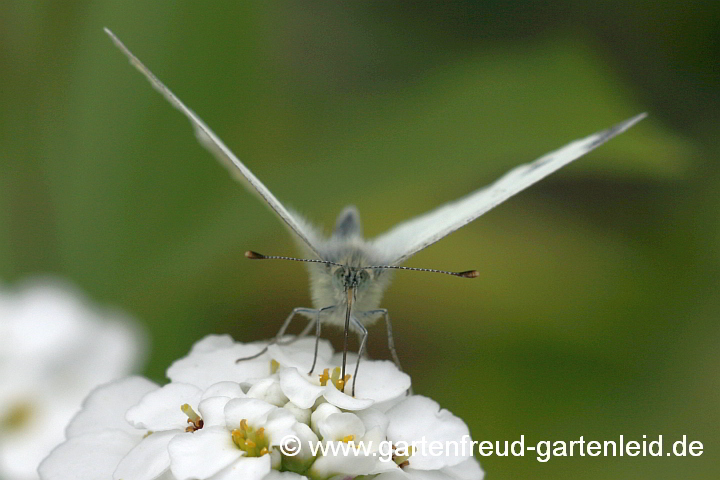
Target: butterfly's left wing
[212, 142]
[409, 237]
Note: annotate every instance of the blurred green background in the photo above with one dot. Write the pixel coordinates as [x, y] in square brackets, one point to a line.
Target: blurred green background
[596, 310]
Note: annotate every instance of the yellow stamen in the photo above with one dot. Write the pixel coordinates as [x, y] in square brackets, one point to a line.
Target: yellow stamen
[252, 442]
[188, 410]
[348, 438]
[17, 416]
[324, 377]
[195, 421]
[334, 377]
[274, 366]
[238, 438]
[402, 460]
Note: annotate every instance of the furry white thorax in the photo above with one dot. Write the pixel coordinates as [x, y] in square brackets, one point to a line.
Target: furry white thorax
[329, 283]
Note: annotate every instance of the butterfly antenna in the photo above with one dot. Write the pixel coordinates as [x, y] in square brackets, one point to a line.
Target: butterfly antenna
[259, 256]
[465, 274]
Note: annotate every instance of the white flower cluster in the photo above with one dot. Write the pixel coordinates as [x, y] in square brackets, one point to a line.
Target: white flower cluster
[56, 347]
[218, 419]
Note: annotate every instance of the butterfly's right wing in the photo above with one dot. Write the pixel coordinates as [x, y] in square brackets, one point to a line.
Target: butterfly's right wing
[408, 238]
[211, 142]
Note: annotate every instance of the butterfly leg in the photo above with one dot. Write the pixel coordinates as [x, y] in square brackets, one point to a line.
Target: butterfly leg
[317, 334]
[281, 332]
[360, 339]
[391, 342]
[300, 335]
[361, 351]
[286, 324]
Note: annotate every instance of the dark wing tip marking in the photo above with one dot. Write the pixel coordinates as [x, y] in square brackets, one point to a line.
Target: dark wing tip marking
[601, 137]
[617, 129]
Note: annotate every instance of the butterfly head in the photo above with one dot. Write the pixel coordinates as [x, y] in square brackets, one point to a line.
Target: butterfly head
[347, 277]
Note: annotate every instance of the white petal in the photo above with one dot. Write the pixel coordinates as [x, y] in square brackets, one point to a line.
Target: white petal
[167, 476]
[337, 426]
[276, 459]
[388, 404]
[268, 389]
[202, 454]
[419, 418]
[26, 314]
[468, 470]
[148, 460]
[48, 321]
[395, 474]
[214, 360]
[111, 350]
[278, 425]
[307, 439]
[343, 400]
[105, 407]
[275, 475]
[340, 464]
[374, 439]
[160, 409]
[373, 418]
[93, 456]
[412, 474]
[22, 449]
[323, 411]
[224, 389]
[302, 415]
[56, 348]
[245, 468]
[250, 409]
[212, 411]
[212, 343]
[298, 388]
[300, 354]
[380, 380]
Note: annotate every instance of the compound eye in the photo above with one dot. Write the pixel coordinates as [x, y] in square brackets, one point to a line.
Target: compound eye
[340, 275]
[363, 277]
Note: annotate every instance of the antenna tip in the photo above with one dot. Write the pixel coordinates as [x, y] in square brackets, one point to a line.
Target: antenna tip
[254, 255]
[469, 274]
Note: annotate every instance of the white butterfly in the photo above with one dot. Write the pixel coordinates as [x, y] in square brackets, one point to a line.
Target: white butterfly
[349, 273]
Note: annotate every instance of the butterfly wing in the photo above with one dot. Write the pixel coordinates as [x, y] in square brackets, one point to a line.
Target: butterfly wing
[211, 142]
[409, 237]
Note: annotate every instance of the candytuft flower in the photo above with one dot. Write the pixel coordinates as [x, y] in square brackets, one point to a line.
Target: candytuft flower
[56, 347]
[265, 418]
